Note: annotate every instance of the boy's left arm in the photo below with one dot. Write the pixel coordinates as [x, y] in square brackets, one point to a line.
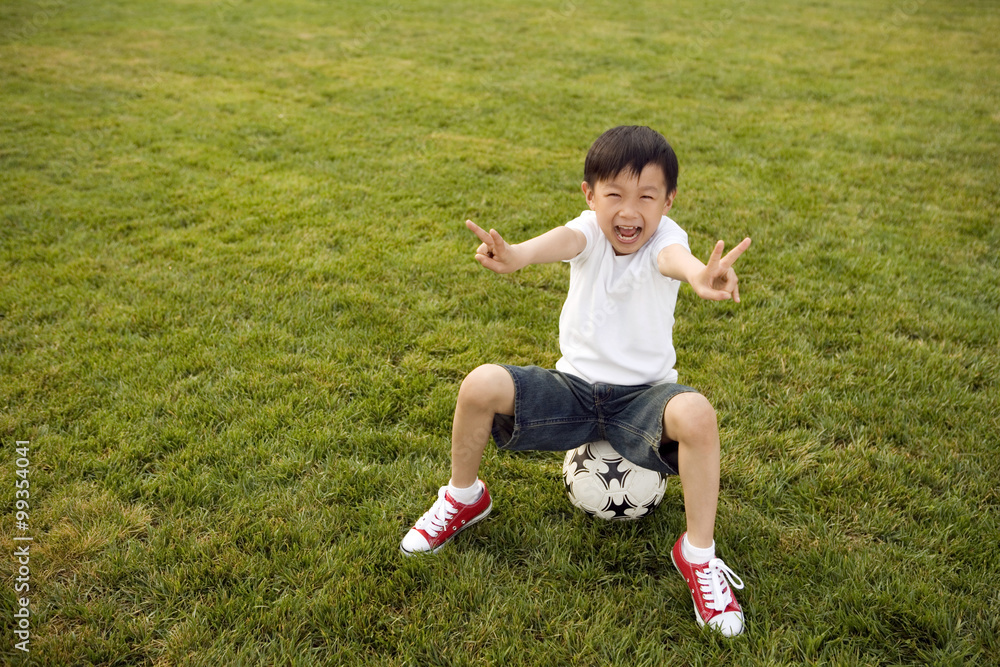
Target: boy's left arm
[715, 281]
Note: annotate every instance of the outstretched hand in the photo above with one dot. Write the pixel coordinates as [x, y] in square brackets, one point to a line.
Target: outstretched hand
[494, 253]
[718, 282]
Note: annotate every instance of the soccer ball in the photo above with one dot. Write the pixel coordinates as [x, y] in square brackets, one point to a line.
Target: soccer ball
[604, 484]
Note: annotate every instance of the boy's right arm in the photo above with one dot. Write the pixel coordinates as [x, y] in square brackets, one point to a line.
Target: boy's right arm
[556, 245]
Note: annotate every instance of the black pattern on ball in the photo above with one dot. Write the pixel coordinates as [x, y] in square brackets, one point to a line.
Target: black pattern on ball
[604, 484]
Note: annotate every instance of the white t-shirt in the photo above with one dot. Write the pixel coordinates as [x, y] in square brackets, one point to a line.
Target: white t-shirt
[617, 322]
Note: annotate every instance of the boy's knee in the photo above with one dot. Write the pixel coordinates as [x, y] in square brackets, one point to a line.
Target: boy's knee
[688, 416]
[488, 386]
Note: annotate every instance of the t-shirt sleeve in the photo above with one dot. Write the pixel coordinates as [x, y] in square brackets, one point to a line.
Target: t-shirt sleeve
[667, 234]
[586, 223]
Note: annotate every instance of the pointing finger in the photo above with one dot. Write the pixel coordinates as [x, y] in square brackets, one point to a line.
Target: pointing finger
[735, 253]
[716, 253]
[478, 231]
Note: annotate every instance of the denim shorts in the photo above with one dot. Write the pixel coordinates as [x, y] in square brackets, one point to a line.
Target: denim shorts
[556, 411]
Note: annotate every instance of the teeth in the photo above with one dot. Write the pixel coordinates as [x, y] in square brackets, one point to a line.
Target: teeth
[627, 233]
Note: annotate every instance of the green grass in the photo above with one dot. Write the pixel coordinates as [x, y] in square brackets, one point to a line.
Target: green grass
[237, 299]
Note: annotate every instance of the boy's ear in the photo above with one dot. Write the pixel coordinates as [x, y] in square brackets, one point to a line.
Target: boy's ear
[670, 201]
[588, 192]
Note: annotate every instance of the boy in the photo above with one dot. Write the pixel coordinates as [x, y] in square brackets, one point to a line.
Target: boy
[615, 380]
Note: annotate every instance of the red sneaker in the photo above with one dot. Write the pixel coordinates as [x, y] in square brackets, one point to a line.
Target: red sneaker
[714, 603]
[443, 521]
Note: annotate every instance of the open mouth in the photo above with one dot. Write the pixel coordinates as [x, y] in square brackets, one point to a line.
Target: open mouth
[628, 234]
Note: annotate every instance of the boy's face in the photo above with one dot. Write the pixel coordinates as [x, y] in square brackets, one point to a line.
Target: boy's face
[629, 208]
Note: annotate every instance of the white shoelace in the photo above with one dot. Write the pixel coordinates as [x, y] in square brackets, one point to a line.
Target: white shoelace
[712, 581]
[438, 516]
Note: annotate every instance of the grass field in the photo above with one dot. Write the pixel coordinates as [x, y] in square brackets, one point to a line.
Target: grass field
[237, 299]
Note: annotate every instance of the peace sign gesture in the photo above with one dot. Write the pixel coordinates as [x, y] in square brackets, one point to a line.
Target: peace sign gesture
[494, 253]
[717, 281]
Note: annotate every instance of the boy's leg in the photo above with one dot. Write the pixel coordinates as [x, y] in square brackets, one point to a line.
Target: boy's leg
[486, 391]
[690, 420]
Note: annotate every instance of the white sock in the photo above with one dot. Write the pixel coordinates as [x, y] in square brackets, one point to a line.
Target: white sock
[696, 554]
[466, 496]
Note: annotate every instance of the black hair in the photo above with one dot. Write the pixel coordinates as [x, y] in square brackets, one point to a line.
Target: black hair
[629, 148]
